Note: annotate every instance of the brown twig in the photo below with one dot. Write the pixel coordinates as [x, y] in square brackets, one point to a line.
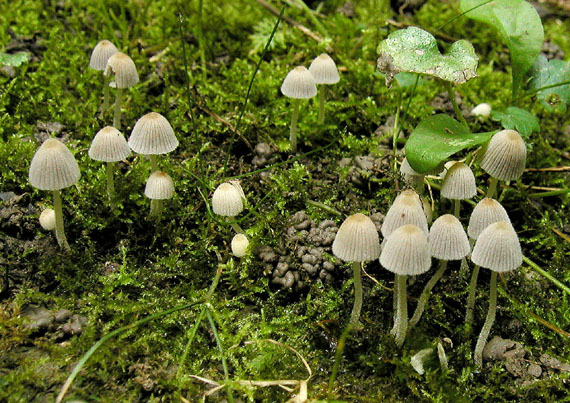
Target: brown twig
[291, 21]
[550, 169]
[224, 122]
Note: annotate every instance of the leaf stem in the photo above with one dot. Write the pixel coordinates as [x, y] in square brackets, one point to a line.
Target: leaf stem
[221, 349]
[458, 113]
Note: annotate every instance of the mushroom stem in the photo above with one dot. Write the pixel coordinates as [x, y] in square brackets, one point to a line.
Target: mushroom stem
[59, 231]
[322, 99]
[117, 114]
[105, 106]
[426, 293]
[488, 322]
[402, 313]
[395, 307]
[471, 301]
[153, 162]
[457, 208]
[111, 183]
[357, 307]
[155, 208]
[237, 228]
[492, 187]
[293, 131]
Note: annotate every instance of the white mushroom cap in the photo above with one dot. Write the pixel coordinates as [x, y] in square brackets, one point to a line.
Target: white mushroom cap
[483, 109]
[485, 213]
[153, 134]
[227, 200]
[53, 167]
[447, 239]
[406, 169]
[159, 186]
[324, 70]
[406, 251]
[239, 245]
[459, 182]
[101, 54]
[406, 209]
[498, 248]
[47, 219]
[109, 145]
[504, 157]
[124, 69]
[357, 240]
[299, 83]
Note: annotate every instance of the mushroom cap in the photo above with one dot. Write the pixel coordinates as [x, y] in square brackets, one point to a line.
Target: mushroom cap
[498, 248]
[124, 69]
[227, 200]
[447, 239]
[485, 213]
[483, 109]
[109, 145]
[299, 83]
[406, 209]
[323, 70]
[504, 156]
[53, 166]
[406, 169]
[357, 240]
[153, 134]
[406, 251]
[159, 186]
[459, 182]
[47, 219]
[239, 245]
[101, 54]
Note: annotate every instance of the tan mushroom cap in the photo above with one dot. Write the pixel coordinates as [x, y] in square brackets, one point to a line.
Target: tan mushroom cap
[299, 83]
[498, 248]
[159, 186]
[406, 169]
[406, 209]
[47, 219]
[239, 245]
[109, 145]
[459, 182]
[323, 70]
[504, 157]
[124, 69]
[447, 239]
[485, 213]
[101, 54]
[227, 200]
[357, 240]
[53, 167]
[153, 134]
[406, 251]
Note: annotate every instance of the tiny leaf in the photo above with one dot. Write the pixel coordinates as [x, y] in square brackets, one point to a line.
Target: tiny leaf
[545, 73]
[517, 119]
[13, 59]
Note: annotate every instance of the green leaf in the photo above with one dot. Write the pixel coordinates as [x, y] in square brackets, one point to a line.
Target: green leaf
[438, 137]
[15, 59]
[545, 73]
[407, 80]
[520, 26]
[517, 119]
[414, 50]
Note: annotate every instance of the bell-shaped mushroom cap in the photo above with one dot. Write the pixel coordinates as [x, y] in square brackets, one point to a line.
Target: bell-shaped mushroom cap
[239, 245]
[159, 186]
[53, 167]
[357, 240]
[227, 200]
[504, 157]
[323, 70]
[447, 239]
[153, 134]
[47, 219]
[498, 248]
[406, 251]
[406, 209]
[109, 145]
[407, 170]
[299, 83]
[101, 54]
[459, 182]
[124, 69]
[485, 213]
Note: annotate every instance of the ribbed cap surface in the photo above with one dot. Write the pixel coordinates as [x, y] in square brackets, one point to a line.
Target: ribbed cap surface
[447, 239]
[109, 145]
[504, 157]
[357, 240]
[323, 70]
[47, 219]
[406, 251]
[101, 54]
[485, 213]
[124, 69]
[299, 83]
[498, 248]
[153, 134]
[459, 182]
[227, 200]
[159, 186]
[406, 209]
[53, 167]
[239, 245]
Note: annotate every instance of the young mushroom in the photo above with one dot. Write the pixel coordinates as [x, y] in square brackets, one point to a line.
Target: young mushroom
[126, 76]
[47, 219]
[98, 61]
[239, 245]
[159, 186]
[227, 201]
[458, 184]
[324, 71]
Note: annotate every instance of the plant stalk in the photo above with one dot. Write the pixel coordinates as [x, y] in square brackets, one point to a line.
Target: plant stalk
[322, 101]
[111, 183]
[457, 208]
[426, 293]
[402, 313]
[59, 230]
[106, 81]
[338, 358]
[155, 208]
[492, 188]
[117, 111]
[357, 307]
[488, 321]
[471, 301]
[153, 163]
[220, 348]
[458, 113]
[293, 130]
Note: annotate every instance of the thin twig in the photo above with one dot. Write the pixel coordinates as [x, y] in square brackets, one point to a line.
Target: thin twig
[291, 21]
[549, 169]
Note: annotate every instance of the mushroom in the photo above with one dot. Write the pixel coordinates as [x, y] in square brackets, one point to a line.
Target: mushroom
[159, 186]
[98, 61]
[227, 201]
[126, 76]
[458, 184]
[406, 209]
[239, 245]
[53, 167]
[47, 219]
[412, 178]
[483, 110]
[324, 71]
